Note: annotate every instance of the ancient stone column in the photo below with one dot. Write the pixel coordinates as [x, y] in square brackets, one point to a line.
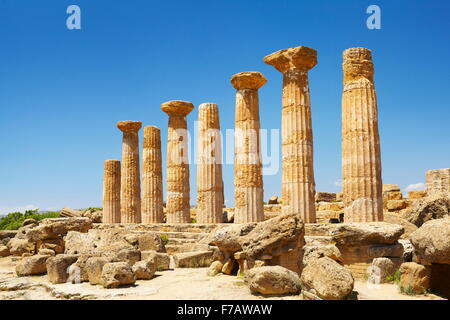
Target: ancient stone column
[111, 192]
[178, 198]
[152, 185]
[298, 185]
[438, 181]
[361, 159]
[130, 186]
[248, 182]
[209, 168]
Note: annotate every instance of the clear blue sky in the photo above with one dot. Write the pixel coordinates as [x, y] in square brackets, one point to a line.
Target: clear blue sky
[62, 91]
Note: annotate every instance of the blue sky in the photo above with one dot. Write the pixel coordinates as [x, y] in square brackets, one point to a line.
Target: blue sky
[62, 91]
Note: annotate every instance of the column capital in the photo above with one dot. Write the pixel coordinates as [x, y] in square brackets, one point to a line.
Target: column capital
[129, 126]
[248, 80]
[177, 107]
[301, 58]
[357, 64]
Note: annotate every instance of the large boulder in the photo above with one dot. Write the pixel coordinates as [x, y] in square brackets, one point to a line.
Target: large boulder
[94, 268]
[145, 269]
[382, 268]
[396, 219]
[215, 268]
[58, 267]
[117, 274]
[325, 279]
[319, 251]
[57, 227]
[432, 242]
[162, 260]
[414, 278]
[18, 247]
[272, 280]
[226, 238]
[366, 233]
[130, 256]
[195, 259]
[33, 265]
[433, 207]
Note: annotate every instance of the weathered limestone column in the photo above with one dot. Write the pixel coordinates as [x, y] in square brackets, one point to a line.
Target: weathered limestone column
[152, 185]
[209, 168]
[298, 184]
[178, 198]
[438, 181]
[248, 182]
[361, 159]
[130, 186]
[111, 192]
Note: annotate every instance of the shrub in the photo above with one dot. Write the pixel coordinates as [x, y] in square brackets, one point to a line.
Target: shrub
[394, 277]
[14, 220]
[164, 238]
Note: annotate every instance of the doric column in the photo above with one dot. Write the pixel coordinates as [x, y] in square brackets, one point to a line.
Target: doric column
[361, 159]
[152, 185]
[178, 199]
[111, 192]
[248, 182]
[438, 181]
[209, 168]
[130, 185]
[298, 185]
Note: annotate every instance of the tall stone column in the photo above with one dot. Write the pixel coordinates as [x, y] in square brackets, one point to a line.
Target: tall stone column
[178, 198]
[438, 181]
[209, 168]
[130, 186]
[361, 159]
[248, 181]
[111, 192]
[298, 184]
[152, 185]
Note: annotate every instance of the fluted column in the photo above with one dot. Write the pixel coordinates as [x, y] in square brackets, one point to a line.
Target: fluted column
[152, 185]
[178, 198]
[209, 168]
[130, 185]
[438, 181]
[361, 159]
[111, 192]
[298, 184]
[248, 182]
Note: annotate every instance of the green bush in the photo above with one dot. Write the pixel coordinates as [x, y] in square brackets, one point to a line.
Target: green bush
[165, 238]
[14, 220]
[394, 277]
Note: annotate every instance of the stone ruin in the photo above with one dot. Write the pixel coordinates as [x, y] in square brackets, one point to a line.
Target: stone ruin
[316, 243]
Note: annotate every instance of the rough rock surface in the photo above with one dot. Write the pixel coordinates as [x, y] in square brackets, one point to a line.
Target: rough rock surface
[57, 267]
[432, 242]
[326, 279]
[33, 265]
[274, 280]
[144, 270]
[320, 251]
[433, 207]
[4, 251]
[381, 268]
[117, 274]
[94, 267]
[414, 278]
[215, 268]
[162, 260]
[396, 219]
[195, 259]
[366, 233]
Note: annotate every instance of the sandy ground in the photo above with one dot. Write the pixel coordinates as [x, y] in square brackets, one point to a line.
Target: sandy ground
[190, 284]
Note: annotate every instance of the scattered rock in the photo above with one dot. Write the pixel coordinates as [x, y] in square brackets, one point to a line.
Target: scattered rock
[408, 250]
[95, 216]
[433, 207]
[46, 252]
[151, 241]
[272, 280]
[144, 270]
[396, 219]
[4, 251]
[117, 274]
[273, 200]
[325, 196]
[396, 205]
[215, 268]
[33, 265]
[17, 246]
[417, 194]
[365, 233]
[317, 252]
[431, 242]
[30, 221]
[391, 187]
[196, 259]
[162, 260]
[129, 256]
[414, 278]
[57, 267]
[326, 279]
[230, 266]
[57, 227]
[381, 268]
[94, 268]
